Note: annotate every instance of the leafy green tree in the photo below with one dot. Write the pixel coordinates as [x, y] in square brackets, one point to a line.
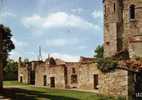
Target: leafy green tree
[99, 51]
[10, 70]
[6, 45]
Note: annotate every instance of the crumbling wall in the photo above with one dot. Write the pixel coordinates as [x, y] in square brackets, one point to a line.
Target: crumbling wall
[56, 71]
[114, 83]
[23, 73]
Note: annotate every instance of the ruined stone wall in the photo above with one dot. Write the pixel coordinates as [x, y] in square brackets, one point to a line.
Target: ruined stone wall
[114, 83]
[50, 71]
[135, 49]
[132, 26]
[119, 26]
[23, 72]
[70, 68]
[86, 76]
[113, 27]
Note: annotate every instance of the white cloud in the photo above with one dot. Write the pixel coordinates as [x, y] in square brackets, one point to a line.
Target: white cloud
[65, 57]
[19, 48]
[78, 10]
[14, 55]
[19, 44]
[61, 42]
[7, 14]
[58, 19]
[82, 47]
[97, 14]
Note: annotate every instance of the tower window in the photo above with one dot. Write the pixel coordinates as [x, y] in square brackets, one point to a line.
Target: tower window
[114, 7]
[132, 11]
[107, 43]
[73, 70]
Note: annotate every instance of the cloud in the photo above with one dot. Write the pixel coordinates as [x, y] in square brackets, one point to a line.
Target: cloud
[19, 48]
[61, 42]
[8, 14]
[19, 44]
[57, 20]
[65, 57]
[97, 13]
[78, 10]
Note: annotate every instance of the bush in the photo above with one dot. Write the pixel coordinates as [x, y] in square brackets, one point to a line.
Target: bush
[107, 64]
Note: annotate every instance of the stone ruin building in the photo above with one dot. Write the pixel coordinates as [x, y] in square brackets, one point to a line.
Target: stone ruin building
[122, 31]
[122, 27]
[84, 75]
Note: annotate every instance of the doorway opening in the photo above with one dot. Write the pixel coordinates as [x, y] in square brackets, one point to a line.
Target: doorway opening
[52, 82]
[44, 80]
[21, 79]
[32, 77]
[95, 81]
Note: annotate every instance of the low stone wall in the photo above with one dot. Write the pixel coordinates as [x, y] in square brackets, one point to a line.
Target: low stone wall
[114, 83]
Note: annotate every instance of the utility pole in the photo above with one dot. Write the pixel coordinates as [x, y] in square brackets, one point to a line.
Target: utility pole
[39, 56]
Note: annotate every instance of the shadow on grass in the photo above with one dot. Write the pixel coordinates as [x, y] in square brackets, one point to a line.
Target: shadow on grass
[23, 94]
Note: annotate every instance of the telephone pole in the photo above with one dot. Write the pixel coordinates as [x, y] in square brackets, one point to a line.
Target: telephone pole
[40, 55]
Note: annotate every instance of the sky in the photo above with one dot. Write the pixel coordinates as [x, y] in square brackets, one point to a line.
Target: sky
[65, 29]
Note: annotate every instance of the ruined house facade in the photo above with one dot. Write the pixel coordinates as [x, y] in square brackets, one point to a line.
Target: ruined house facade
[83, 75]
[123, 27]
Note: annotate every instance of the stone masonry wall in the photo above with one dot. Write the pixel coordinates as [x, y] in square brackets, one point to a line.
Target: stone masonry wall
[132, 26]
[114, 83]
[86, 76]
[54, 71]
[23, 72]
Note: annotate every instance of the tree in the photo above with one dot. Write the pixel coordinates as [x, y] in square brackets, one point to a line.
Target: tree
[10, 70]
[99, 51]
[6, 45]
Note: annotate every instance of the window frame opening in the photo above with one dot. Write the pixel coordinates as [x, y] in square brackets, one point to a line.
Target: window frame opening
[132, 12]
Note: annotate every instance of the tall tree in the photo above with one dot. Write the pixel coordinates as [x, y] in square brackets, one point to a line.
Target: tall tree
[99, 51]
[6, 45]
[10, 70]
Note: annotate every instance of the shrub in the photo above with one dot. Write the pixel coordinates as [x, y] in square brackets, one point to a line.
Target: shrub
[107, 64]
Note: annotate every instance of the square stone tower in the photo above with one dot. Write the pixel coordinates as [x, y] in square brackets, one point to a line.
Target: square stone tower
[113, 27]
[122, 22]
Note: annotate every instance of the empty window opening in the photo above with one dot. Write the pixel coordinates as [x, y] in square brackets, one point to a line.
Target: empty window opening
[73, 70]
[114, 7]
[132, 12]
[73, 78]
[107, 43]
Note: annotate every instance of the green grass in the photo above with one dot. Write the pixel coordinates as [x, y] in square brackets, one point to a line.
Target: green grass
[28, 92]
[13, 83]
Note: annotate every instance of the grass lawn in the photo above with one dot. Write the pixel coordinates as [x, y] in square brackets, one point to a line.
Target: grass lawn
[18, 91]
